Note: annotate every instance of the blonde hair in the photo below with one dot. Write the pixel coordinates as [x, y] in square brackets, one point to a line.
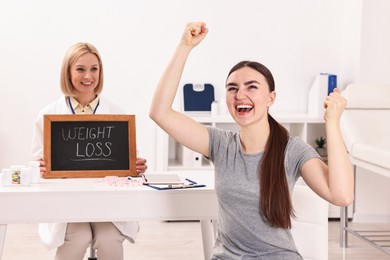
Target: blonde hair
[71, 56]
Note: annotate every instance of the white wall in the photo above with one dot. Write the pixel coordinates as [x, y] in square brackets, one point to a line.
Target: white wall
[351, 41]
[295, 39]
[372, 190]
[375, 50]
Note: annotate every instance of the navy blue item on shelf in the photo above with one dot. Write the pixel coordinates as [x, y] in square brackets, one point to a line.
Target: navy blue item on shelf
[198, 97]
[332, 83]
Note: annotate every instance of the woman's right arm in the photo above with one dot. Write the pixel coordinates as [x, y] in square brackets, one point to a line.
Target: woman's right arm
[181, 127]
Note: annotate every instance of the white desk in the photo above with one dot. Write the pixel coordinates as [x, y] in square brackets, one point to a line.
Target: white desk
[85, 200]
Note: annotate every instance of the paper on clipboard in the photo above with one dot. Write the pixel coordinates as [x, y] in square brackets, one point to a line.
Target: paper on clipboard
[162, 179]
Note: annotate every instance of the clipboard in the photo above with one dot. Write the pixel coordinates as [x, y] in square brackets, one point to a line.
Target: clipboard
[175, 187]
[168, 182]
[161, 179]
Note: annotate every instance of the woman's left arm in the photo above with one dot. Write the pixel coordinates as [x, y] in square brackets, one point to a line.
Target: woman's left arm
[335, 181]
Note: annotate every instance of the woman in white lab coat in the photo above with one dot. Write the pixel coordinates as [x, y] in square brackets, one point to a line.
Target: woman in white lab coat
[82, 83]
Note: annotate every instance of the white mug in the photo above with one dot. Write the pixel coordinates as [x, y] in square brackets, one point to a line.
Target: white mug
[6, 177]
[25, 176]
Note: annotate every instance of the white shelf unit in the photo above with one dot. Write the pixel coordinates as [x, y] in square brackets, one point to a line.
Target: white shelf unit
[181, 158]
[298, 124]
[172, 156]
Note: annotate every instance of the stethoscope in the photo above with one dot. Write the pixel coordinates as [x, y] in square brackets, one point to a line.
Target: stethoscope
[73, 112]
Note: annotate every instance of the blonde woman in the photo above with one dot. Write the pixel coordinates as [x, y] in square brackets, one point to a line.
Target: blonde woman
[82, 84]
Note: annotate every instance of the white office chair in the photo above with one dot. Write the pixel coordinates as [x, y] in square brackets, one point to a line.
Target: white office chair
[310, 227]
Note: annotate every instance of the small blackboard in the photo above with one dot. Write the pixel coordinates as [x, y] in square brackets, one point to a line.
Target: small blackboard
[85, 146]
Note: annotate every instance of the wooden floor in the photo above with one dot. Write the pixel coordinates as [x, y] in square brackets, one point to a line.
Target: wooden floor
[168, 240]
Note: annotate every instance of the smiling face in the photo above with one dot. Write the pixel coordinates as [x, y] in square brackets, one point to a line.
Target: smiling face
[84, 73]
[248, 96]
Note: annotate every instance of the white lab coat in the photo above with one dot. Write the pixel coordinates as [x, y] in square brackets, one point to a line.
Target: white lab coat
[53, 234]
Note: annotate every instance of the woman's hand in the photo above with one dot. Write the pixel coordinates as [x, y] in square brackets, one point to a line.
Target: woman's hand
[42, 167]
[141, 165]
[194, 33]
[334, 105]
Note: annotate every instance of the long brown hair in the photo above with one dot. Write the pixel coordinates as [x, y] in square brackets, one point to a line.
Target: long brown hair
[275, 202]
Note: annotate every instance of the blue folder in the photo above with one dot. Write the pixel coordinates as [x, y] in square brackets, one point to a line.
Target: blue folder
[332, 82]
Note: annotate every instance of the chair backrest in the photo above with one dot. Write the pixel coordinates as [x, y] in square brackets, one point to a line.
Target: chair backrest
[367, 96]
[310, 227]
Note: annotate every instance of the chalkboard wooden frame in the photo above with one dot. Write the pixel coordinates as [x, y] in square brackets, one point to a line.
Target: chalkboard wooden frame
[51, 120]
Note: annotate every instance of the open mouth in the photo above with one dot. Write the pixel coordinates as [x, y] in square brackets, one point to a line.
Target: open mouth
[87, 84]
[244, 108]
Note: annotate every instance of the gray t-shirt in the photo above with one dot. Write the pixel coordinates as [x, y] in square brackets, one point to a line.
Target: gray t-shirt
[242, 232]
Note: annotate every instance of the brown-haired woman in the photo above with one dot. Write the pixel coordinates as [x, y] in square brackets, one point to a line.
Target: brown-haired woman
[257, 167]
